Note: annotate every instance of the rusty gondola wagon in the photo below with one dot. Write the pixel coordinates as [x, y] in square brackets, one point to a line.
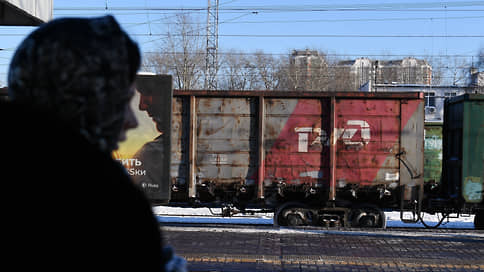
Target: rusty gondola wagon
[314, 158]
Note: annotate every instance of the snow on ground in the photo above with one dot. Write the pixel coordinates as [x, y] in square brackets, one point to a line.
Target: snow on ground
[465, 222]
[203, 215]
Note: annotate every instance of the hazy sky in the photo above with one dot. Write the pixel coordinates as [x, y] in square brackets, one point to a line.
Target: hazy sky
[344, 29]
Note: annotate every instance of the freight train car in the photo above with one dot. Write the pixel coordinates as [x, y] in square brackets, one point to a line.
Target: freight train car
[313, 158]
[462, 186]
[316, 158]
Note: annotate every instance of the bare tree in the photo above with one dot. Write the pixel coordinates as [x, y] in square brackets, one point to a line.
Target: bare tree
[480, 62]
[458, 70]
[450, 70]
[438, 72]
[477, 74]
[339, 78]
[268, 70]
[238, 71]
[181, 54]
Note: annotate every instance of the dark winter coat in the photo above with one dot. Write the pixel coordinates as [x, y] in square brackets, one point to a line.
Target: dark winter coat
[65, 204]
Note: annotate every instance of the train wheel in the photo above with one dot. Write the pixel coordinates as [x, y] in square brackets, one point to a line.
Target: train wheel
[367, 216]
[479, 220]
[291, 214]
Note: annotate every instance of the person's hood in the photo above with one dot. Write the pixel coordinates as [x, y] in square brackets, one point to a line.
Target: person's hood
[81, 70]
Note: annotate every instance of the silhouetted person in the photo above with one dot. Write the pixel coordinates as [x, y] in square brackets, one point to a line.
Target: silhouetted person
[66, 204]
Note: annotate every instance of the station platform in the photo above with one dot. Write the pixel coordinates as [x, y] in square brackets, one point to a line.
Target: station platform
[278, 249]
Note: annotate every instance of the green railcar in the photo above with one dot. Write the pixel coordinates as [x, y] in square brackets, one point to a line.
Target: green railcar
[463, 164]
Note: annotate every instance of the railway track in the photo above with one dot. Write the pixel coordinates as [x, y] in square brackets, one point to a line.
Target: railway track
[266, 217]
[245, 227]
[266, 221]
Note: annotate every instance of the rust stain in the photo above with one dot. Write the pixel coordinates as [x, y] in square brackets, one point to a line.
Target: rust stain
[207, 102]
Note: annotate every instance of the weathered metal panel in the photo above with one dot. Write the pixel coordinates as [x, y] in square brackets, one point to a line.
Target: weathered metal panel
[473, 150]
[261, 168]
[412, 149]
[296, 141]
[367, 133]
[299, 94]
[452, 149]
[226, 140]
[179, 148]
[463, 171]
[192, 148]
[433, 152]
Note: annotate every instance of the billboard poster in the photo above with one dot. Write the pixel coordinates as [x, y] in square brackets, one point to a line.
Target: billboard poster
[146, 152]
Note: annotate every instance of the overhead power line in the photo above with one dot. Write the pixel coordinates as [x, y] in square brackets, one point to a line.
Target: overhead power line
[323, 35]
[289, 21]
[239, 10]
[299, 8]
[297, 35]
[447, 6]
